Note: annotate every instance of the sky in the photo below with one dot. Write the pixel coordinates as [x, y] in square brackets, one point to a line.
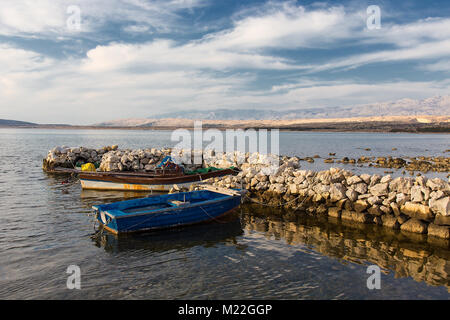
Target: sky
[89, 61]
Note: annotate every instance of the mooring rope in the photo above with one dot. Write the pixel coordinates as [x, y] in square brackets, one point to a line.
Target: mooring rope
[215, 219]
[153, 216]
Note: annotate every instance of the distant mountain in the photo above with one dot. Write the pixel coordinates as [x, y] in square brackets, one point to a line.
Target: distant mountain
[434, 106]
[8, 123]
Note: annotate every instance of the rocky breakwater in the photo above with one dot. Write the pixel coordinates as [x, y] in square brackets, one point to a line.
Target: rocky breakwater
[67, 157]
[418, 205]
[109, 158]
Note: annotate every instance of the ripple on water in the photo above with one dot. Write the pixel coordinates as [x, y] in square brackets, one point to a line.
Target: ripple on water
[46, 227]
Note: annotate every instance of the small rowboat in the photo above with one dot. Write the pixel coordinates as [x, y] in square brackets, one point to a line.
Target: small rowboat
[163, 183]
[167, 211]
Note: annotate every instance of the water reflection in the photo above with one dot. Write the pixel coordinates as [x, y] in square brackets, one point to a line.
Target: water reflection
[407, 255]
[224, 231]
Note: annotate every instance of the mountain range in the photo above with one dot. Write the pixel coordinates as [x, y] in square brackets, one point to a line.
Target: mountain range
[434, 106]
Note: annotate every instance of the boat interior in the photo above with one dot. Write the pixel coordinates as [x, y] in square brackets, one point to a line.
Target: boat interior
[153, 203]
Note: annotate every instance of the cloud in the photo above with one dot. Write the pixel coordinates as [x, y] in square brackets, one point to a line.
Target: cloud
[429, 50]
[286, 25]
[166, 54]
[40, 90]
[410, 34]
[222, 69]
[48, 18]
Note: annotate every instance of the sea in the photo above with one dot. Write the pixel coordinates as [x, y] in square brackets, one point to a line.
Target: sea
[48, 228]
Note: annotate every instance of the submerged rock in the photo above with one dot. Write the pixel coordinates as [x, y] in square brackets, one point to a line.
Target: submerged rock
[414, 225]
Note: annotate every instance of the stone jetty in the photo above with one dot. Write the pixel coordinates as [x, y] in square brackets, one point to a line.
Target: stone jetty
[418, 205]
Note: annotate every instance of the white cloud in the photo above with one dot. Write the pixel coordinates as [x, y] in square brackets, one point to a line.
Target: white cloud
[48, 18]
[66, 91]
[122, 80]
[167, 54]
[410, 34]
[286, 25]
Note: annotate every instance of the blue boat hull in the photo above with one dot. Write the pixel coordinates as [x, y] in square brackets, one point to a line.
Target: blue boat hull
[156, 212]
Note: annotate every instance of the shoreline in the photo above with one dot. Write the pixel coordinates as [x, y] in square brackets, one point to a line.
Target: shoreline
[417, 130]
[381, 124]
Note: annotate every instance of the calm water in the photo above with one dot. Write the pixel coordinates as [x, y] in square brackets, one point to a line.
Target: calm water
[46, 226]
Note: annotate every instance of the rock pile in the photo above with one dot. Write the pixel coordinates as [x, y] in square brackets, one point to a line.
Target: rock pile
[115, 159]
[66, 157]
[132, 160]
[417, 205]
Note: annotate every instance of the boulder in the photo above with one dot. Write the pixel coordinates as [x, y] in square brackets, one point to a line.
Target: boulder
[441, 220]
[386, 179]
[417, 210]
[374, 180]
[334, 212]
[402, 219]
[361, 188]
[386, 209]
[353, 180]
[439, 231]
[437, 194]
[390, 222]
[366, 177]
[351, 194]
[360, 205]
[400, 185]
[375, 210]
[436, 184]
[337, 192]
[414, 225]
[401, 199]
[361, 217]
[440, 206]
[395, 208]
[374, 200]
[380, 189]
[416, 194]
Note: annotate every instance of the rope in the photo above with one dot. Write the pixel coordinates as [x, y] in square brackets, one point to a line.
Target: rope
[153, 216]
[213, 218]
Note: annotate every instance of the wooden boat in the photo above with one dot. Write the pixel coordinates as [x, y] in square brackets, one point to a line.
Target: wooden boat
[154, 173]
[167, 211]
[163, 183]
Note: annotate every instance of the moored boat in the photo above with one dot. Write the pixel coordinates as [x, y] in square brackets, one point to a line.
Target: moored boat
[163, 183]
[167, 211]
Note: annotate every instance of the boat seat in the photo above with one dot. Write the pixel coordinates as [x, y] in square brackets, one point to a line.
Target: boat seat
[178, 203]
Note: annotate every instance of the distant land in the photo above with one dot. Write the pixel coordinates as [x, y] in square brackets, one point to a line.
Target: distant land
[15, 123]
[406, 115]
[435, 106]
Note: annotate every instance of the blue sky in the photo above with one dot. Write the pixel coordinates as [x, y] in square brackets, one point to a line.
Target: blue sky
[135, 58]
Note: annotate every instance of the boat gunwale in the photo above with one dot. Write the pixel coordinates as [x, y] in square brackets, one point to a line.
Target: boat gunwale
[163, 210]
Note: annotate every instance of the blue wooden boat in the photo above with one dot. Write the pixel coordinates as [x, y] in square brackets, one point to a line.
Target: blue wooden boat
[166, 211]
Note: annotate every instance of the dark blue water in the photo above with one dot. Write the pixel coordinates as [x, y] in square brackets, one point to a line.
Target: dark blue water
[46, 226]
